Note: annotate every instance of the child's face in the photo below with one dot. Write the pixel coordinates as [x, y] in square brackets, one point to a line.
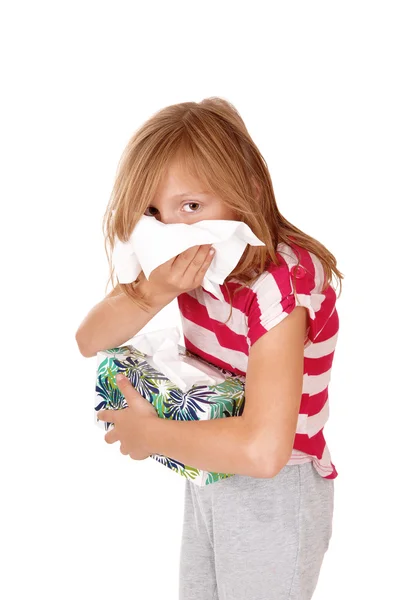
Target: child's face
[182, 199]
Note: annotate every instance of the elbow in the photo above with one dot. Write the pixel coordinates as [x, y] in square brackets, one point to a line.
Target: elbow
[83, 348]
[267, 464]
[266, 469]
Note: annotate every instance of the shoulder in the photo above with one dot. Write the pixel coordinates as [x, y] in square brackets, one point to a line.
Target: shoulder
[296, 281]
[295, 263]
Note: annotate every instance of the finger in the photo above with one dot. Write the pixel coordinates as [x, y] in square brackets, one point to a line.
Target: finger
[194, 258]
[111, 436]
[182, 260]
[123, 450]
[205, 266]
[127, 389]
[202, 257]
[107, 415]
[173, 262]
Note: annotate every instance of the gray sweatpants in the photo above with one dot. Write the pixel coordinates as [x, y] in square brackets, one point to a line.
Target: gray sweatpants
[248, 538]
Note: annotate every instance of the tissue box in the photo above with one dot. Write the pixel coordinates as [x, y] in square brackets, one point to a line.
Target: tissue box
[225, 399]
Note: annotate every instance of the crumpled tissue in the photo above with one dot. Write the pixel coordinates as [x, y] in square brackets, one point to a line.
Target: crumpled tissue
[153, 243]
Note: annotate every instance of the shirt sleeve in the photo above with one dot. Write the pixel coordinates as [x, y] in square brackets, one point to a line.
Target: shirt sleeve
[274, 299]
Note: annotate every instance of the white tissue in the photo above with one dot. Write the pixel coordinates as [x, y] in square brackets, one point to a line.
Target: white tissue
[162, 349]
[153, 243]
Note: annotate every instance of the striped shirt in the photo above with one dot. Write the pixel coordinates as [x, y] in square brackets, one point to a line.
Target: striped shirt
[256, 309]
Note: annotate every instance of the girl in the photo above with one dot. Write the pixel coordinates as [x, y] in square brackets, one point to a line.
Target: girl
[263, 533]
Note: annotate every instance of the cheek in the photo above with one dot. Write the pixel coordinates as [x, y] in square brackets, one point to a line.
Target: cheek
[224, 212]
[230, 215]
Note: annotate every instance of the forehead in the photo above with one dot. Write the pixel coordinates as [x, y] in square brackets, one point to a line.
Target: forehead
[178, 182]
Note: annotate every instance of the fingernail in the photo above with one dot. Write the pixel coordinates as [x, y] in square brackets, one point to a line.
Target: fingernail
[120, 377]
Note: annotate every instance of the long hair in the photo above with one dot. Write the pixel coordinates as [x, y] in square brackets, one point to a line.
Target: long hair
[210, 141]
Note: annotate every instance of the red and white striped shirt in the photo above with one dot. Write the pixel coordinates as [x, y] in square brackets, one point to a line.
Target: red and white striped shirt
[256, 309]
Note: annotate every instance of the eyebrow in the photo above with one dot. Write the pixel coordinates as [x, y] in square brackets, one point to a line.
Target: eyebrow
[189, 194]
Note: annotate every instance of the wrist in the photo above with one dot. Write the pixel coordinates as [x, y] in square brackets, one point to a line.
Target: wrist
[152, 298]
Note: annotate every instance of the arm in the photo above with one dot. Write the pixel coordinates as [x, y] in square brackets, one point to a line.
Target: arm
[116, 319]
[275, 369]
[218, 445]
[259, 442]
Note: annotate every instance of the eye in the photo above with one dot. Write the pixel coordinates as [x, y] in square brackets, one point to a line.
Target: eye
[150, 208]
[193, 204]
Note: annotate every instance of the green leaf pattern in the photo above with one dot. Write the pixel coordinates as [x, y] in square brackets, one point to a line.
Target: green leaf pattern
[199, 402]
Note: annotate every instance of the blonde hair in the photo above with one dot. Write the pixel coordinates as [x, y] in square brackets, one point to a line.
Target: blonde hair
[209, 140]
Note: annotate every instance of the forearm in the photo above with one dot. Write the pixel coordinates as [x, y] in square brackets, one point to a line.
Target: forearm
[220, 445]
[116, 319]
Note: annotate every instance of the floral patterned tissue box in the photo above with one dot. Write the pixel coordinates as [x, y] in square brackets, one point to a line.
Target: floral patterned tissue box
[225, 399]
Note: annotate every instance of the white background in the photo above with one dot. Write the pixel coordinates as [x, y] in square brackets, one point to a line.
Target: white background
[315, 84]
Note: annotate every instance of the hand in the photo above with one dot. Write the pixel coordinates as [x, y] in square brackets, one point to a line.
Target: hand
[180, 274]
[130, 424]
